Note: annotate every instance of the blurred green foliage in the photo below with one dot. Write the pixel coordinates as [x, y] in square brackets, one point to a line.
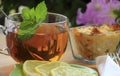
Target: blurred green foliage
[65, 7]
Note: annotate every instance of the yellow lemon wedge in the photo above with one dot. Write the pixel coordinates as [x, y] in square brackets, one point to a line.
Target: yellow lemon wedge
[69, 71]
[29, 67]
[45, 69]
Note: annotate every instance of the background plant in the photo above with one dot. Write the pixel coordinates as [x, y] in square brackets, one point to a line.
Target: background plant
[66, 7]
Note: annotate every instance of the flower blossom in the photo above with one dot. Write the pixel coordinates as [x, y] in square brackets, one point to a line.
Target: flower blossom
[98, 12]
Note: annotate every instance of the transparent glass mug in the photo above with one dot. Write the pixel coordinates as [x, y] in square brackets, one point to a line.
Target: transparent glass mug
[48, 43]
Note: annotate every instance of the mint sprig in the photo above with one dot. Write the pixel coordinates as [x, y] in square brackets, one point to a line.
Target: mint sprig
[31, 20]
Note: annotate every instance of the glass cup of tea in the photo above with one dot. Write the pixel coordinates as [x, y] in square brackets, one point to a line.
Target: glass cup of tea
[48, 43]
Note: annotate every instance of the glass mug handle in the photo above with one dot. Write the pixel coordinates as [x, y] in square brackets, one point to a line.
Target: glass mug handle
[4, 49]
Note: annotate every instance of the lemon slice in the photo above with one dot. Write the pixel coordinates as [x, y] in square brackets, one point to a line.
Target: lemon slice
[45, 69]
[69, 71]
[29, 67]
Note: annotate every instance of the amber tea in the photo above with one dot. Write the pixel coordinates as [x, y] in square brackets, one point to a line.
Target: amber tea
[48, 43]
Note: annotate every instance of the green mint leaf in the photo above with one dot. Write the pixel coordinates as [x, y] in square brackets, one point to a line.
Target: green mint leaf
[25, 14]
[41, 11]
[32, 14]
[31, 21]
[28, 14]
[26, 32]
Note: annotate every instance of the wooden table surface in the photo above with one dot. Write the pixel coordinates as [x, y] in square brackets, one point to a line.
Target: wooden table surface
[7, 63]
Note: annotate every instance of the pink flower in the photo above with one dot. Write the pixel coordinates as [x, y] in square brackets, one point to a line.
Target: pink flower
[99, 12]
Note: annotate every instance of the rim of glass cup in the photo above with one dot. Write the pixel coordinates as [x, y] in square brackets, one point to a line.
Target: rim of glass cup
[65, 19]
